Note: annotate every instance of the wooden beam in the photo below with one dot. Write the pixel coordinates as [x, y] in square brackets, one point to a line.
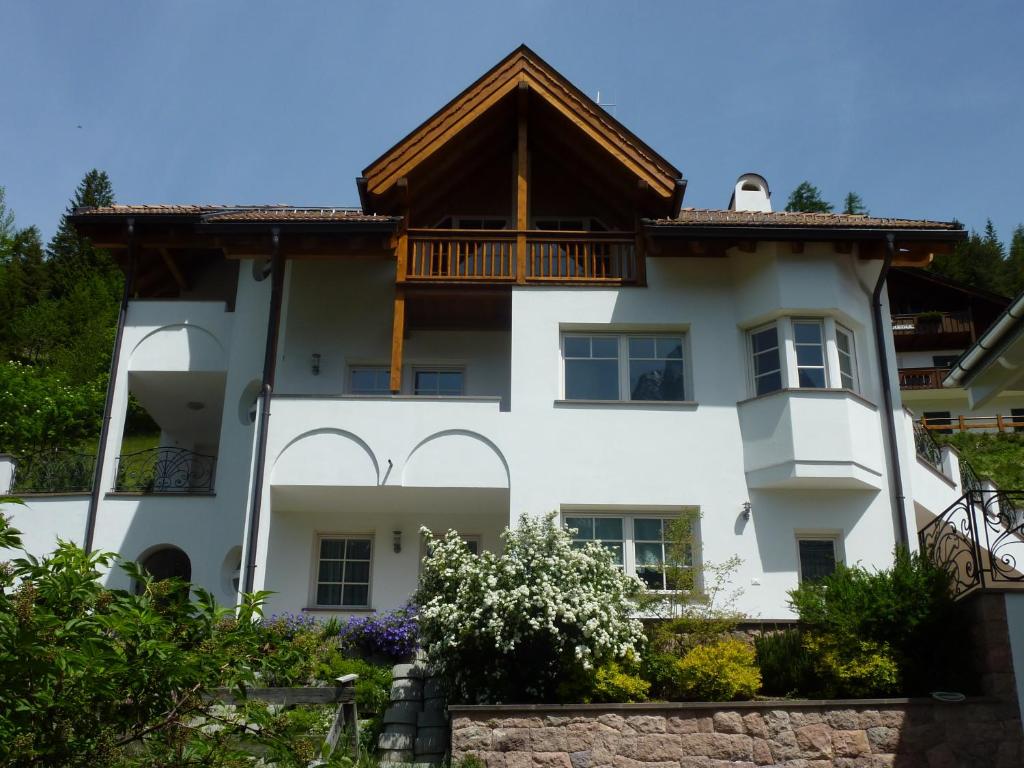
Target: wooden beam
[397, 340]
[522, 198]
[172, 267]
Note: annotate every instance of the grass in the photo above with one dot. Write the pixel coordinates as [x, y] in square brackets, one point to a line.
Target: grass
[996, 456]
[136, 443]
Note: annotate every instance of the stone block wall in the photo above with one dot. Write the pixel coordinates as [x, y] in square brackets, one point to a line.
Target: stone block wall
[905, 733]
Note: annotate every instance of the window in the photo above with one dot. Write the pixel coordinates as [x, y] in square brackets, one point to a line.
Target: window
[1017, 419]
[343, 571]
[472, 542]
[607, 367]
[944, 361]
[939, 419]
[767, 363]
[809, 353]
[166, 563]
[370, 380]
[809, 341]
[817, 557]
[847, 358]
[637, 543]
[439, 382]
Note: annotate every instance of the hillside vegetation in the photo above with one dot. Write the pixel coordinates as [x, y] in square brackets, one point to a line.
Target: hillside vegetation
[999, 457]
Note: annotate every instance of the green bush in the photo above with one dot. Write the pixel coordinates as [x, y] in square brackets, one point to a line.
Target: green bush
[905, 613]
[723, 671]
[661, 670]
[852, 668]
[998, 456]
[373, 688]
[787, 668]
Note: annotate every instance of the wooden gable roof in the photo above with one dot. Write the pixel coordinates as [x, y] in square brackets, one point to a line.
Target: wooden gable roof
[526, 68]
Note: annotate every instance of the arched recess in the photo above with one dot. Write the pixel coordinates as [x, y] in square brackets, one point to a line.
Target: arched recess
[326, 457]
[178, 348]
[165, 561]
[456, 458]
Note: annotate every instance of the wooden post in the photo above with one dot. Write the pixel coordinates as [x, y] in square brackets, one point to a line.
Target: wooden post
[397, 340]
[521, 184]
[999, 422]
[960, 419]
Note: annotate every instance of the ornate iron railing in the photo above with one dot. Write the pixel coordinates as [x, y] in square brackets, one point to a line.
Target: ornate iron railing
[927, 447]
[979, 541]
[166, 470]
[53, 472]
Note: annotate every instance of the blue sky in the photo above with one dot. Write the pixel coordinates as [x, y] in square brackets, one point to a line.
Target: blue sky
[916, 106]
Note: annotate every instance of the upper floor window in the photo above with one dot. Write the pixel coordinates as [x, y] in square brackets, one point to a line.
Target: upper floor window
[370, 380]
[808, 353]
[440, 382]
[623, 367]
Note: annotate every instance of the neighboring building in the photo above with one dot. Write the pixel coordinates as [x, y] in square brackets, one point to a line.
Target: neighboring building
[934, 320]
[520, 319]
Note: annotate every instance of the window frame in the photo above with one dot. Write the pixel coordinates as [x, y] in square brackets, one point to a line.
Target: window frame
[622, 361]
[826, 376]
[851, 355]
[780, 353]
[832, 356]
[833, 537]
[430, 368]
[629, 540]
[315, 575]
[350, 389]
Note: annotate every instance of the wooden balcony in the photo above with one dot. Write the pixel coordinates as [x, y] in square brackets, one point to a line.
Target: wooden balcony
[933, 330]
[493, 256]
[922, 378]
[997, 423]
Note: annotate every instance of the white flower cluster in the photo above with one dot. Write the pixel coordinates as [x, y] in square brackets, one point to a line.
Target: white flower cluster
[539, 612]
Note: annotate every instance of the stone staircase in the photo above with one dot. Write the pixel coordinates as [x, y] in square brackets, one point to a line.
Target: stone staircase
[416, 722]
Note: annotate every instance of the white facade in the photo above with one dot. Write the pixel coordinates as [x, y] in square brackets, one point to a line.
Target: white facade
[808, 462]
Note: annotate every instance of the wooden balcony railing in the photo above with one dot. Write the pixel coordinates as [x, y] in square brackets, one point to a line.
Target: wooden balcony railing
[492, 256]
[922, 378]
[931, 323]
[997, 423]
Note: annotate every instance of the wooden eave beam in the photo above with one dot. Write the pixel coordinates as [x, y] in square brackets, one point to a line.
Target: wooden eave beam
[522, 183]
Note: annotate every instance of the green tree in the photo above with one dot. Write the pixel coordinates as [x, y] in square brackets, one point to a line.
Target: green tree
[977, 262]
[71, 255]
[853, 204]
[1014, 280]
[807, 198]
[6, 221]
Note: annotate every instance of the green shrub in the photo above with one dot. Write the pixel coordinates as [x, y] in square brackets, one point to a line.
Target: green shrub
[613, 684]
[998, 456]
[852, 668]
[906, 613]
[787, 668]
[661, 670]
[373, 688]
[723, 671]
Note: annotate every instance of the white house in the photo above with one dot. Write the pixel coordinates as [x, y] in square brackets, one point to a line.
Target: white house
[522, 318]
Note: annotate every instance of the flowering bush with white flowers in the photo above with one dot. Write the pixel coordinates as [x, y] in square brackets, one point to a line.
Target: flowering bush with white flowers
[511, 627]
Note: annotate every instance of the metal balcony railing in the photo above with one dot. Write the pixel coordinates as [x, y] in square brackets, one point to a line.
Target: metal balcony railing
[165, 470]
[54, 471]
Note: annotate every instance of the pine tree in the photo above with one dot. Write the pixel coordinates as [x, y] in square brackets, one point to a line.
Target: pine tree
[807, 198]
[976, 262]
[6, 222]
[853, 204]
[71, 256]
[1014, 279]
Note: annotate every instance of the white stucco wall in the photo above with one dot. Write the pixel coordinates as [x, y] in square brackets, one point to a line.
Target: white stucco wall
[43, 520]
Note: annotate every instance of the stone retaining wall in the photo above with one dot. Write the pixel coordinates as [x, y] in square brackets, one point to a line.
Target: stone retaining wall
[905, 733]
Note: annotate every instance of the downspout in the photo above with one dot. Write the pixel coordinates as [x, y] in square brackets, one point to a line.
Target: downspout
[115, 361]
[269, 370]
[899, 500]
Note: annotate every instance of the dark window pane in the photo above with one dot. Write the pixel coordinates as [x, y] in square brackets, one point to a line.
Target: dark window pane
[807, 333]
[358, 571]
[772, 382]
[332, 548]
[766, 362]
[591, 380]
[817, 558]
[672, 348]
[648, 555]
[577, 346]
[656, 379]
[647, 529]
[608, 528]
[358, 549]
[813, 378]
[450, 382]
[641, 346]
[605, 346]
[843, 342]
[653, 578]
[583, 525]
[368, 381]
[330, 570]
[809, 355]
[616, 550]
[473, 545]
[328, 594]
[356, 594]
[765, 339]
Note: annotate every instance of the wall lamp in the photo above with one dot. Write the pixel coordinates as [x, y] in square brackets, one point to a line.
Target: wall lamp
[397, 541]
[316, 363]
[746, 510]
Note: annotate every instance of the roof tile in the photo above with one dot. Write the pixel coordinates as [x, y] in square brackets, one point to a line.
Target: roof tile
[705, 217]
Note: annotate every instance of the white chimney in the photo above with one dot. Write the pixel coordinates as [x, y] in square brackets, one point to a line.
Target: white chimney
[751, 194]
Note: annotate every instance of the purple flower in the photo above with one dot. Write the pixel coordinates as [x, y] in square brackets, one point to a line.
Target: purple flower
[394, 634]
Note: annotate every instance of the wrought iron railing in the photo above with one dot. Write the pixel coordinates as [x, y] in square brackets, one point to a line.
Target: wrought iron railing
[979, 541]
[53, 472]
[165, 470]
[927, 447]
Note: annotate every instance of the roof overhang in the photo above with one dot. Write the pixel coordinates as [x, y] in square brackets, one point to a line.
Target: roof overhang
[995, 363]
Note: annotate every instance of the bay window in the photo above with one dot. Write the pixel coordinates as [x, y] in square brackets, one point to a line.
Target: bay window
[627, 367]
[802, 353]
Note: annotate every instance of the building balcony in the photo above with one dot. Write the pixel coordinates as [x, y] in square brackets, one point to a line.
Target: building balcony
[165, 470]
[52, 472]
[529, 256]
[811, 439]
[922, 378]
[932, 330]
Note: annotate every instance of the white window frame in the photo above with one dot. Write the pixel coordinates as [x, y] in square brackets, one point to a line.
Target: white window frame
[375, 367]
[824, 367]
[629, 541]
[428, 368]
[622, 360]
[842, 330]
[790, 370]
[315, 575]
[780, 353]
[835, 537]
